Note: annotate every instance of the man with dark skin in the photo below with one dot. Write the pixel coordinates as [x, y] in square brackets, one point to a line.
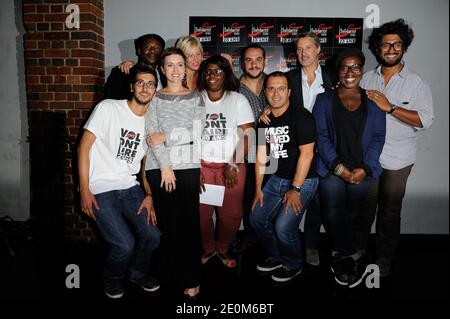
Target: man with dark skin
[148, 50]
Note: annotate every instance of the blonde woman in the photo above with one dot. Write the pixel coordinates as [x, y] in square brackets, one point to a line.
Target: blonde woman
[193, 50]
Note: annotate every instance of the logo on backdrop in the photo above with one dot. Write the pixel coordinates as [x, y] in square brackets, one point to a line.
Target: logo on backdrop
[231, 34]
[347, 35]
[289, 32]
[260, 34]
[204, 32]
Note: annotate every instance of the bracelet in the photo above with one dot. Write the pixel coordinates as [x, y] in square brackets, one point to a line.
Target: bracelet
[149, 194]
[295, 188]
[339, 169]
[235, 167]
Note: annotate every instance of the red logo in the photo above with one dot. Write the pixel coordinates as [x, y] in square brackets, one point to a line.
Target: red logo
[229, 31]
[347, 31]
[260, 30]
[206, 55]
[202, 29]
[287, 31]
[131, 135]
[324, 56]
[323, 26]
[213, 117]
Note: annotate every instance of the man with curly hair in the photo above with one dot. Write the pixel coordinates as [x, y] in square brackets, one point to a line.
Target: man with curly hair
[407, 101]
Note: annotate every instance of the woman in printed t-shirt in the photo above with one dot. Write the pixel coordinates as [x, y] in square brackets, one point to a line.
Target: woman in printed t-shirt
[224, 145]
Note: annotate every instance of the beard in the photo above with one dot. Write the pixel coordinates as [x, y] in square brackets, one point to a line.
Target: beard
[141, 101]
[253, 76]
[391, 63]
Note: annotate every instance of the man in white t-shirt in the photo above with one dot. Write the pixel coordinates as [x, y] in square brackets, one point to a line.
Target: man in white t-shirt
[109, 155]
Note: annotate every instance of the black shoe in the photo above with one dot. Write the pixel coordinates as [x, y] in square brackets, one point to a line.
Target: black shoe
[148, 283]
[337, 267]
[282, 274]
[356, 272]
[113, 288]
[268, 265]
[384, 265]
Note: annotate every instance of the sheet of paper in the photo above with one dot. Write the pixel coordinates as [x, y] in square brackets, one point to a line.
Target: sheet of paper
[213, 195]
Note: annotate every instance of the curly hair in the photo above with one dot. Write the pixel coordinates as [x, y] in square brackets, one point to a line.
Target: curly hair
[399, 27]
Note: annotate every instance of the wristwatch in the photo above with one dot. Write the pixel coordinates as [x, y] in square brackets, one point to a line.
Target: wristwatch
[393, 108]
[295, 188]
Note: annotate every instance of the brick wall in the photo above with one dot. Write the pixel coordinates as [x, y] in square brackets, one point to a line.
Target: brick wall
[65, 73]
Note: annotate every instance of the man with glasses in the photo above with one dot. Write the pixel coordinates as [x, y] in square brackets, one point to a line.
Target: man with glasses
[278, 207]
[148, 50]
[109, 155]
[407, 101]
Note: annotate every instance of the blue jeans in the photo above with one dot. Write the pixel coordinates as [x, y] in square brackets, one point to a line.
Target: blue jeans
[118, 208]
[341, 203]
[277, 230]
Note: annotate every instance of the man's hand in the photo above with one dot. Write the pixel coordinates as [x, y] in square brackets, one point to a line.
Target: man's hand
[292, 198]
[259, 198]
[147, 203]
[379, 99]
[87, 200]
[125, 66]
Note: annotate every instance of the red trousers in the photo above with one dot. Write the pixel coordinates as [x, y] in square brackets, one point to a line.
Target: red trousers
[228, 217]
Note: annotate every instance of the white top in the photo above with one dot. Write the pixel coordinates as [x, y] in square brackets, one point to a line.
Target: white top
[310, 92]
[220, 135]
[118, 148]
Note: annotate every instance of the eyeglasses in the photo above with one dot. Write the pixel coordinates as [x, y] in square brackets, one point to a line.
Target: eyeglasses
[216, 72]
[280, 89]
[142, 83]
[356, 68]
[386, 46]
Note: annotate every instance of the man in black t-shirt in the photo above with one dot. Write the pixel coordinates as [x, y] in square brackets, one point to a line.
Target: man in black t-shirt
[285, 150]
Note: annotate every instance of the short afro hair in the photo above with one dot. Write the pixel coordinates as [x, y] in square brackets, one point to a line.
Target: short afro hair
[399, 27]
[139, 41]
[350, 53]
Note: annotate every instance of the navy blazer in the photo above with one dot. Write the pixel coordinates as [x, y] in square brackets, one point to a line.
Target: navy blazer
[295, 80]
[372, 140]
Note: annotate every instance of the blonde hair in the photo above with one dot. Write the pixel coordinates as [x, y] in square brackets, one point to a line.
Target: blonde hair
[188, 43]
